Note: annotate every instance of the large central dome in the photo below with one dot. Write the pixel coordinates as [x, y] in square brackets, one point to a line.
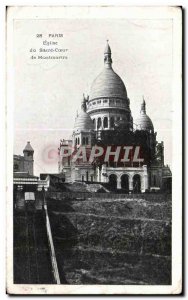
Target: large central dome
[108, 83]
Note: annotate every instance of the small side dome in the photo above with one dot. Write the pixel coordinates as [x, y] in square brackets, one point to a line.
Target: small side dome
[144, 122]
[83, 120]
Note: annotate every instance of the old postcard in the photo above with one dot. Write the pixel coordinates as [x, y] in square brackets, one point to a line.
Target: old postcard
[94, 150]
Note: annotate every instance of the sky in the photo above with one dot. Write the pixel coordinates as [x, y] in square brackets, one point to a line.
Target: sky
[48, 93]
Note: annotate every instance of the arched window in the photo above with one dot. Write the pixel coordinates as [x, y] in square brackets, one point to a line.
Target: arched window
[112, 122]
[99, 123]
[105, 122]
[94, 123]
[87, 141]
[78, 141]
[83, 141]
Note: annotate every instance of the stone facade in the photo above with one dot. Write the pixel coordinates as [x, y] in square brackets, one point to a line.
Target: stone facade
[105, 119]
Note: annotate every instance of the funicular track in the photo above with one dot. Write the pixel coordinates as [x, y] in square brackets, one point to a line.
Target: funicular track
[31, 250]
[31, 247]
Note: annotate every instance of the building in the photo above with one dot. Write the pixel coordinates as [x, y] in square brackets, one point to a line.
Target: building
[23, 176]
[51, 181]
[105, 119]
[24, 163]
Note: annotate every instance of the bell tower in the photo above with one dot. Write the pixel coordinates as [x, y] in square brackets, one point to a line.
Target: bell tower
[28, 158]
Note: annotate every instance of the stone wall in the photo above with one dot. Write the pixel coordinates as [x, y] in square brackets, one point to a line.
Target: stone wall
[112, 241]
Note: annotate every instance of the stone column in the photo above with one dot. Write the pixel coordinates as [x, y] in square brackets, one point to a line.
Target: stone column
[130, 184]
[104, 174]
[102, 120]
[98, 175]
[108, 122]
[145, 179]
[118, 183]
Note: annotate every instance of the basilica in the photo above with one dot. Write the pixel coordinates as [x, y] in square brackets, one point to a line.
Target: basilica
[106, 120]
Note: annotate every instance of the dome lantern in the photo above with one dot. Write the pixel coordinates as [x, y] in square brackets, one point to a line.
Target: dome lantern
[143, 107]
[107, 56]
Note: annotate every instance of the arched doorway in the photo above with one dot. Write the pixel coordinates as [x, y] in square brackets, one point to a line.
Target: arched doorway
[125, 183]
[136, 183]
[113, 181]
